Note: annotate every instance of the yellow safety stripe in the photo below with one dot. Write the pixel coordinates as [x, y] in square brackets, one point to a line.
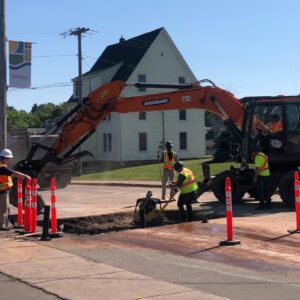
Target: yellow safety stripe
[168, 164]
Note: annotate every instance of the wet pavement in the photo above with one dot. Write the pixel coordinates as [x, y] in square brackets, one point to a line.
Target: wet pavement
[266, 265]
[189, 254]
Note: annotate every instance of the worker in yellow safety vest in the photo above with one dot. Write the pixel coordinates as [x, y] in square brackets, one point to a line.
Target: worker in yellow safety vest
[5, 185]
[168, 159]
[187, 184]
[262, 177]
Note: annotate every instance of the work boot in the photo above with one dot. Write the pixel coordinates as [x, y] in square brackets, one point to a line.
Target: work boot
[4, 228]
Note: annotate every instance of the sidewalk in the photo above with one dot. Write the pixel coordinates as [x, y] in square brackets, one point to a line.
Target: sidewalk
[72, 277]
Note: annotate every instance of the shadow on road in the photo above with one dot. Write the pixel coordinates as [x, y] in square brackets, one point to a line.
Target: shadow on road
[244, 209]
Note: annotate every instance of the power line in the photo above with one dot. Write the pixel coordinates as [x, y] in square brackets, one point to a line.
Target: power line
[78, 32]
[54, 85]
[53, 55]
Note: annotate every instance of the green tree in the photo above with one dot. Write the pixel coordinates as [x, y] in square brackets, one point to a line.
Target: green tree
[222, 146]
[17, 119]
[36, 118]
[210, 117]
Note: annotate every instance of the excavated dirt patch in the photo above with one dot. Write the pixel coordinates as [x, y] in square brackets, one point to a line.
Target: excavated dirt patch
[115, 222]
[99, 224]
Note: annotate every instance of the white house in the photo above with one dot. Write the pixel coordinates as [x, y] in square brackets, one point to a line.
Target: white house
[151, 57]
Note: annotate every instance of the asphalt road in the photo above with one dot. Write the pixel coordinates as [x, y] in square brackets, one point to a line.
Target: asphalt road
[214, 271]
[265, 266]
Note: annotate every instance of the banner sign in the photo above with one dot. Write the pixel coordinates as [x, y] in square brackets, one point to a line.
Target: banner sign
[19, 64]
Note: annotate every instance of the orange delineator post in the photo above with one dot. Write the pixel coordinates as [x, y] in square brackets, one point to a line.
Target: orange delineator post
[228, 195]
[297, 203]
[20, 202]
[228, 209]
[34, 205]
[27, 206]
[53, 207]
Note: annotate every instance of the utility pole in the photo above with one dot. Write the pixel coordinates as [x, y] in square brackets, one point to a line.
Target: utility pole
[3, 83]
[79, 31]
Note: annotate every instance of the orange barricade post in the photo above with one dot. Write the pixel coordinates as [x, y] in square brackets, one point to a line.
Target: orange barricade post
[27, 206]
[53, 208]
[297, 203]
[229, 241]
[53, 232]
[20, 203]
[34, 205]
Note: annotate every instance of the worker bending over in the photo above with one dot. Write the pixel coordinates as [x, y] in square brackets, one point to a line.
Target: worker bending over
[5, 185]
[188, 186]
[168, 158]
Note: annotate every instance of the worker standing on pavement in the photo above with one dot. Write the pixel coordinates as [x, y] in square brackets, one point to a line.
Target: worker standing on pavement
[188, 186]
[168, 159]
[5, 185]
[262, 178]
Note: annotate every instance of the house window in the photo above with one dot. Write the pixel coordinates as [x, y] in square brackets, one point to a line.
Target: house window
[181, 79]
[142, 78]
[91, 84]
[182, 114]
[182, 141]
[108, 117]
[142, 141]
[142, 115]
[76, 91]
[107, 140]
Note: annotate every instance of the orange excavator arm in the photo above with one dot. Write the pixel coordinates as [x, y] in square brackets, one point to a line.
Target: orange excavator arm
[82, 121]
[107, 99]
[209, 98]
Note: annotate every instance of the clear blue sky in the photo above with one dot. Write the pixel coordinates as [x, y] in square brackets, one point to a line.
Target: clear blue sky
[247, 47]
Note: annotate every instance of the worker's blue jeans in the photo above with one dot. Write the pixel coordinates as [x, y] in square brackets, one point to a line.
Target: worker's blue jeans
[187, 200]
[263, 185]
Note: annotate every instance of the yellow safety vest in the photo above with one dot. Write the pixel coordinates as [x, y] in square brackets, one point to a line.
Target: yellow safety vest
[189, 184]
[261, 162]
[5, 181]
[168, 164]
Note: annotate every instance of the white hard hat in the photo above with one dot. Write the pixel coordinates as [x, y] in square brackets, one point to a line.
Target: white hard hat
[6, 153]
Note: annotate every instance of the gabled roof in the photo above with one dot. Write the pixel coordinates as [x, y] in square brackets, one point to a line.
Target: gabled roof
[128, 52]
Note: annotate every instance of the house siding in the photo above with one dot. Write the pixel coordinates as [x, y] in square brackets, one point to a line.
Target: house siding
[164, 68]
[162, 63]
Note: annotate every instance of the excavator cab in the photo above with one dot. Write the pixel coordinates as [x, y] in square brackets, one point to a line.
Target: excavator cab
[273, 123]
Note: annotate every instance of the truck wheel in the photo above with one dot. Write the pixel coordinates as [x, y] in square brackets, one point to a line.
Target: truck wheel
[44, 183]
[218, 187]
[286, 189]
[63, 181]
[253, 193]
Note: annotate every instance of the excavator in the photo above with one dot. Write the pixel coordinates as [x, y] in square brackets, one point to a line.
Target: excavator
[247, 120]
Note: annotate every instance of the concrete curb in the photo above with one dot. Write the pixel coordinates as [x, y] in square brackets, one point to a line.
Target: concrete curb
[111, 183]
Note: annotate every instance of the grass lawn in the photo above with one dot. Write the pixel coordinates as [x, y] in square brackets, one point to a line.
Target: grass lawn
[152, 172]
